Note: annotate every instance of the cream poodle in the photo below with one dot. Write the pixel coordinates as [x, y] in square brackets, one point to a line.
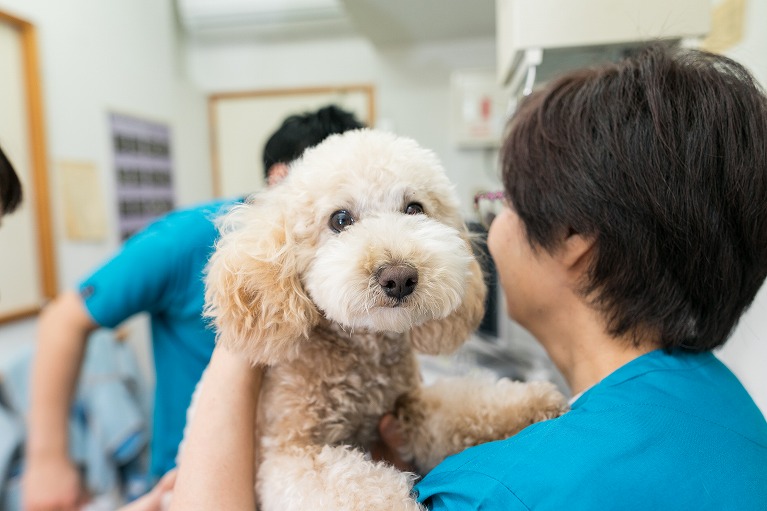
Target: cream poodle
[334, 280]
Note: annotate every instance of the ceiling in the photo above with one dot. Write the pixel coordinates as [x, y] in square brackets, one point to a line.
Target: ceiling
[383, 22]
[387, 22]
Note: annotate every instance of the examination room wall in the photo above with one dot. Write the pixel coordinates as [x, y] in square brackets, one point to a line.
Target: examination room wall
[128, 56]
[412, 88]
[98, 57]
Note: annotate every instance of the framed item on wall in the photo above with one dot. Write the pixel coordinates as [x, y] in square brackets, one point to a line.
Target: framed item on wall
[142, 160]
[241, 123]
[27, 262]
[479, 109]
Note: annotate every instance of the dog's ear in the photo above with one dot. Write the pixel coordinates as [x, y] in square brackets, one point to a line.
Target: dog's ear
[253, 290]
[438, 336]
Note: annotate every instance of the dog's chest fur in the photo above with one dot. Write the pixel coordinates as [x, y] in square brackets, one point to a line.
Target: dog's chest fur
[339, 387]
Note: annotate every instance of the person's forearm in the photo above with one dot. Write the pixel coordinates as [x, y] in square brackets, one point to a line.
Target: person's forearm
[63, 328]
[217, 469]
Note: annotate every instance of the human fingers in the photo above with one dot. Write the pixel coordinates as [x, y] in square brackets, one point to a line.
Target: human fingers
[168, 481]
[390, 444]
[153, 501]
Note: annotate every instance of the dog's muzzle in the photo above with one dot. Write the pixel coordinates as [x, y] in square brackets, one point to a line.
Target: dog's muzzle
[397, 281]
[389, 272]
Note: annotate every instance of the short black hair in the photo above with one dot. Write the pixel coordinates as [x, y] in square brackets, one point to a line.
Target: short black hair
[662, 159]
[301, 131]
[10, 186]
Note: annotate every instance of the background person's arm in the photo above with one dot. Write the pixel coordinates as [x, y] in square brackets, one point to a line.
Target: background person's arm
[217, 469]
[50, 480]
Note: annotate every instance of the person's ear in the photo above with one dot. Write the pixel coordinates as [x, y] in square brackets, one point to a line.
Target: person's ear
[575, 251]
[277, 173]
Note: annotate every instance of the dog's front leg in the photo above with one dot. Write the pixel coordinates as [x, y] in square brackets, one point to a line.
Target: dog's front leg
[453, 414]
[330, 478]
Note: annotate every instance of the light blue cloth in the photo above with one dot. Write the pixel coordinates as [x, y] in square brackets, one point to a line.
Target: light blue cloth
[662, 432]
[107, 425]
[11, 441]
[160, 270]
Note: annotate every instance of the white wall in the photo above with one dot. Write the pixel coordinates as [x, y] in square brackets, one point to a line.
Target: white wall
[412, 86]
[97, 57]
[413, 98]
[125, 55]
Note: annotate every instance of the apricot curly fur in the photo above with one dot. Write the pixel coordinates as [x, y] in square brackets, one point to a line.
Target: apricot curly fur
[292, 293]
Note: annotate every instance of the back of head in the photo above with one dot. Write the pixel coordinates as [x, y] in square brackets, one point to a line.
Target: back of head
[662, 159]
[10, 187]
[299, 132]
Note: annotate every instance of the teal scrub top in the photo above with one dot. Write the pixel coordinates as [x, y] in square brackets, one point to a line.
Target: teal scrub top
[160, 270]
[665, 431]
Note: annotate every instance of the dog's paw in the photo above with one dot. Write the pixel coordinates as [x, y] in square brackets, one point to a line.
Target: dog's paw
[451, 415]
[536, 400]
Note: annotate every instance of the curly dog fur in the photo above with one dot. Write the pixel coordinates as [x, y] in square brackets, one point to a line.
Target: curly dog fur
[334, 279]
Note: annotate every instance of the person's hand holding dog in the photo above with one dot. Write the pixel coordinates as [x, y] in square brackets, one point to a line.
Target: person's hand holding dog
[391, 440]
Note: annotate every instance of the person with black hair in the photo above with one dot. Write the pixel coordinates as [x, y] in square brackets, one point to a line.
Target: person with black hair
[159, 271]
[299, 132]
[634, 237]
[10, 186]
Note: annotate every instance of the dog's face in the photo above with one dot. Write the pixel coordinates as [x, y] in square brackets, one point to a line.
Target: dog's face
[383, 245]
[366, 231]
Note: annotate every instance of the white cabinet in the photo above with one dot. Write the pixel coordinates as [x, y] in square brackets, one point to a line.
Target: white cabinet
[552, 35]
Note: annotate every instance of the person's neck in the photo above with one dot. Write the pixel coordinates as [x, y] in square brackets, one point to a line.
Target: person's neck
[586, 368]
[584, 353]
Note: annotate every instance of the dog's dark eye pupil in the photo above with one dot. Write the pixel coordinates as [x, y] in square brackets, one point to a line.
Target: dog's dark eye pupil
[414, 208]
[340, 220]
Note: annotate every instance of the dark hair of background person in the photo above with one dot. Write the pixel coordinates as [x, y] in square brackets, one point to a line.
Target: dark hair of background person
[299, 132]
[10, 186]
[662, 159]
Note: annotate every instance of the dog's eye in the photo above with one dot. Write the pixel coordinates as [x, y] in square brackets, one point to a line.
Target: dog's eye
[414, 208]
[340, 220]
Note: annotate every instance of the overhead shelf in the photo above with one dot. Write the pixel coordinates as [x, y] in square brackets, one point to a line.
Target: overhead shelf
[538, 37]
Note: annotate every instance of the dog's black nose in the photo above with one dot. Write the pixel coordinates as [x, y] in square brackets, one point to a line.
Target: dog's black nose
[398, 281]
